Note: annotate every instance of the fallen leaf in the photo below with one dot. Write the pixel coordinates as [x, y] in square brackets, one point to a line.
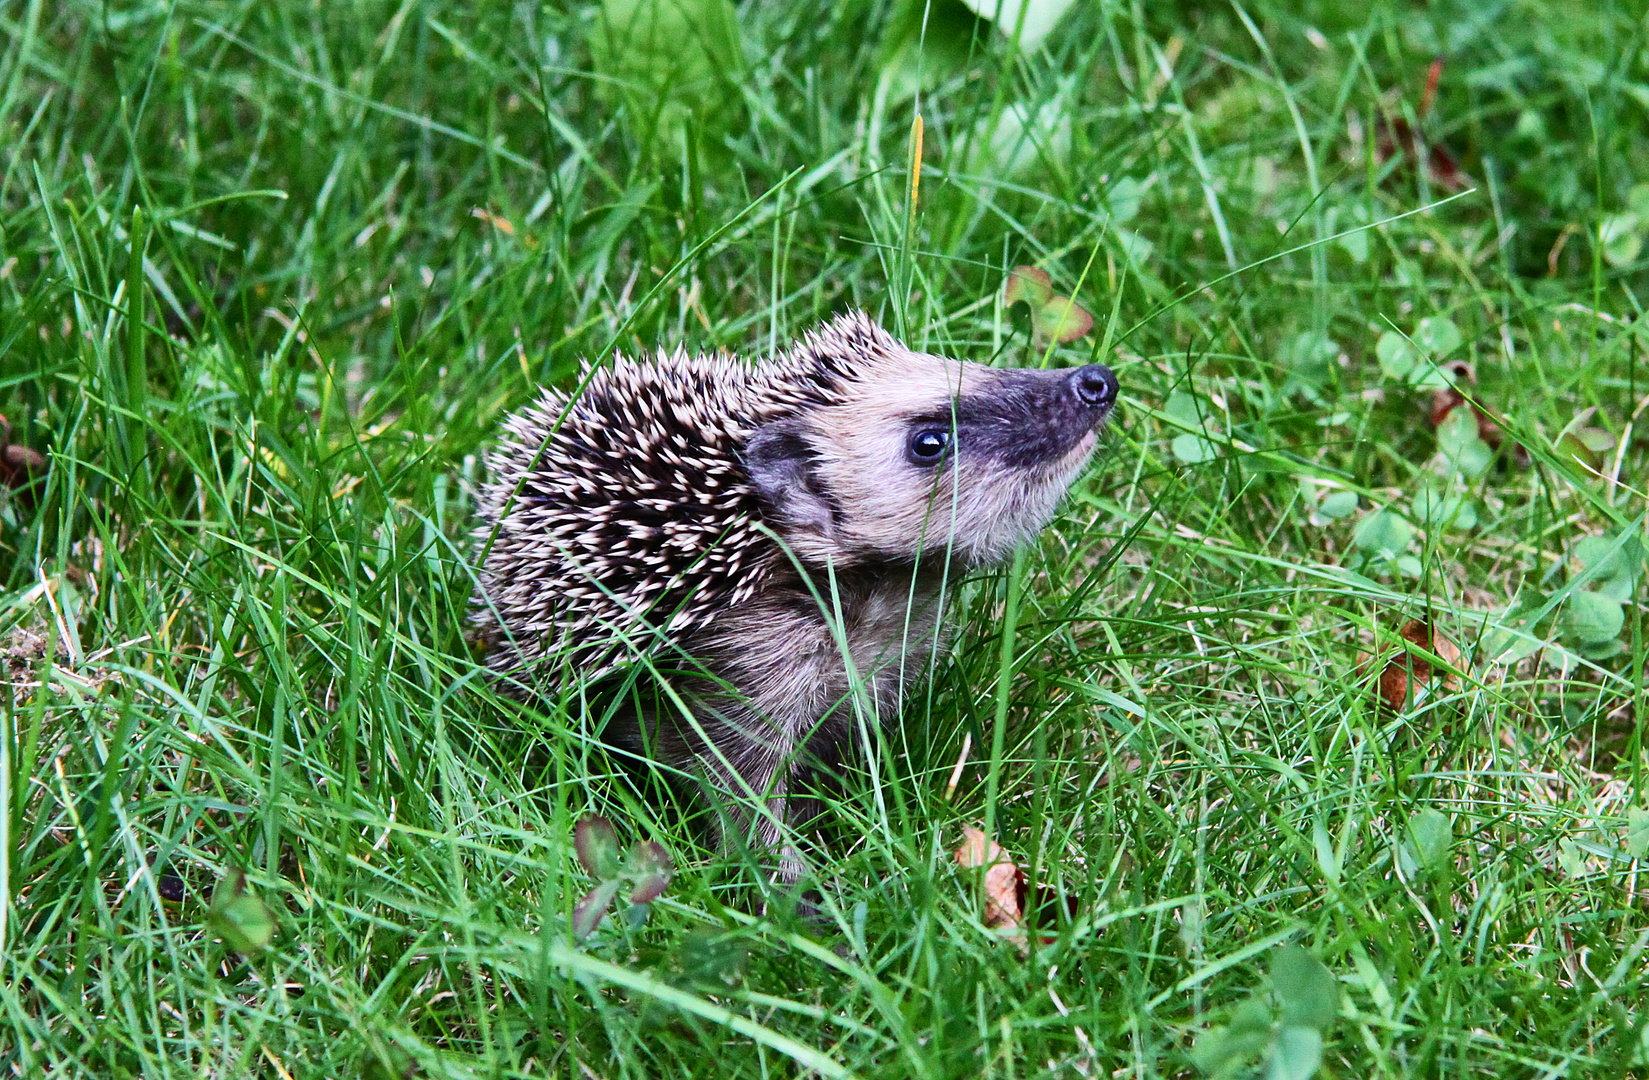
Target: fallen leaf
[502, 224]
[1004, 881]
[20, 467]
[1398, 138]
[1408, 673]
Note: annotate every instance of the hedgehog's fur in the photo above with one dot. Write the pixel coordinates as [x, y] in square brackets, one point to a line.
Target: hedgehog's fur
[752, 523]
[631, 500]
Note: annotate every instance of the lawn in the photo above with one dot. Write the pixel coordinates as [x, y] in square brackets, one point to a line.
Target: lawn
[1314, 724]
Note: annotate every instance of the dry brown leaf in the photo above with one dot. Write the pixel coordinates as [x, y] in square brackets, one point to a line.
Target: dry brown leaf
[1004, 880]
[1397, 138]
[497, 221]
[1448, 399]
[20, 467]
[1408, 673]
[1444, 402]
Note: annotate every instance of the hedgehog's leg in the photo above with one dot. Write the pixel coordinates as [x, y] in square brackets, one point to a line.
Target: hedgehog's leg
[742, 762]
[750, 756]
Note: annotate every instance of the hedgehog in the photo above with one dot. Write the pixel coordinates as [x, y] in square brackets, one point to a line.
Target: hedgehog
[769, 543]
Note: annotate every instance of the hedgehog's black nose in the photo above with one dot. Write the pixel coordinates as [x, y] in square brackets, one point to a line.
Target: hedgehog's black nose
[1095, 386]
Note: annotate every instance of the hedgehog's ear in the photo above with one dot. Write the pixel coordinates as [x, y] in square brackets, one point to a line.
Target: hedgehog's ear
[781, 461]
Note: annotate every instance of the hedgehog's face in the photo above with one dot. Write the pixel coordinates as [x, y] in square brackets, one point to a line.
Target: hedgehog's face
[926, 455]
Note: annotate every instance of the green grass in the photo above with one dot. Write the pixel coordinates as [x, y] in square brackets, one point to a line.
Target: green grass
[270, 273]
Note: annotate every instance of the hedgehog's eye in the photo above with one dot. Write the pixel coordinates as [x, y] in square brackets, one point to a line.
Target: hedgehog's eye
[927, 446]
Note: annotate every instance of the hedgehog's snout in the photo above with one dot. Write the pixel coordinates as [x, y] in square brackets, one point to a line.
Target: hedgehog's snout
[1030, 418]
[1095, 386]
